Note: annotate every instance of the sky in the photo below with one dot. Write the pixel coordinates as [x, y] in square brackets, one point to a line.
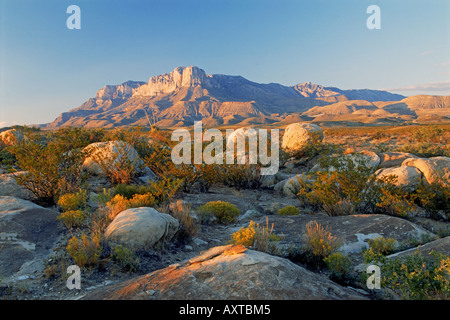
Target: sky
[46, 68]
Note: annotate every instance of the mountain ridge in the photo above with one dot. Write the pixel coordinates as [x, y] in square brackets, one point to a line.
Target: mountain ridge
[189, 94]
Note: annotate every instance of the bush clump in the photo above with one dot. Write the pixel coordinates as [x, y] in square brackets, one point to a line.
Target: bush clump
[85, 251]
[72, 218]
[223, 211]
[289, 211]
[256, 236]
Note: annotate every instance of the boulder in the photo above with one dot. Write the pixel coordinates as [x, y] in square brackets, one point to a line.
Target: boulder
[298, 135]
[28, 234]
[409, 178]
[394, 159]
[11, 137]
[9, 186]
[292, 185]
[229, 273]
[435, 170]
[113, 153]
[141, 228]
[441, 245]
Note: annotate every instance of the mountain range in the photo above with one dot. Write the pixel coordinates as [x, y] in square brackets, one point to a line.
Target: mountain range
[188, 94]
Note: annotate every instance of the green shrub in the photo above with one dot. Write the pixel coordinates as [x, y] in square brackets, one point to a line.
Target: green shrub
[352, 187]
[125, 258]
[256, 236]
[225, 212]
[338, 263]
[73, 201]
[188, 224]
[289, 211]
[72, 218]
[378, 248]
[319, 242]
[52, 167]
[418, 277]
[85, 251]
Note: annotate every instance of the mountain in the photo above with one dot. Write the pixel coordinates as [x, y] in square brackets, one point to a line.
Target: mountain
[188, 94]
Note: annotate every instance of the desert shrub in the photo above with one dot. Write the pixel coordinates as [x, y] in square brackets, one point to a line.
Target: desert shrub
[128, 191]
[319, 242]
[158, 193]
[427, 141]
[241, 176]
[188, 224]
[73, 201]
[289, 211]
[378, 248]
[223, 211]
[256, 236]
[125, 258]
[339, 264]
[435, 199]
[52, 168]
[352, 187]
[418, 277]
[72, 218]
[85, 251]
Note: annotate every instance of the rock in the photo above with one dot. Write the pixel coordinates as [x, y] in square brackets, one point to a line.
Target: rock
[292, 185]
[409, 178]
[9, 187]
[369, 158]
[298, 135]
[28, 234]
[141, 228]
[229, 273]
[441, 245]
[110, 154]
[394, 159]
[249, 215]
[11, 137]
[353, 230]
[435, 170]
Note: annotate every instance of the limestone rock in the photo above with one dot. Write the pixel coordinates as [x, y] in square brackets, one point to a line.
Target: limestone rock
[28, 234]
[408, 178]
[441, 245]
[435, 170]
[227, 273]
[110, 154]
[394, 159]
[141, 228]
[11, 137]
[299, 135]
[9, 187]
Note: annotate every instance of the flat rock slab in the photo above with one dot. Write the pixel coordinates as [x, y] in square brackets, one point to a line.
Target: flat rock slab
[229, 273]
[28, 233]
[441, 245]
[354, 230]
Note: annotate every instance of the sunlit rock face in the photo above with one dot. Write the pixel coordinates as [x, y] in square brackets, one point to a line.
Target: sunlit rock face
[229, 272]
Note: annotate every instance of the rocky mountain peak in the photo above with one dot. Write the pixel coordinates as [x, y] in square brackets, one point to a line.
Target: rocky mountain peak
[180, 77]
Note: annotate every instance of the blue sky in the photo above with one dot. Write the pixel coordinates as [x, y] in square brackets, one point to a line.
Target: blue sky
[46, 69]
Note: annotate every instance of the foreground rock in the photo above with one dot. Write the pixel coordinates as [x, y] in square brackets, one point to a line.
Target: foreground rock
[227, 273]
[28, 234]
[394, 159]
[299, 135]
[141, 228]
